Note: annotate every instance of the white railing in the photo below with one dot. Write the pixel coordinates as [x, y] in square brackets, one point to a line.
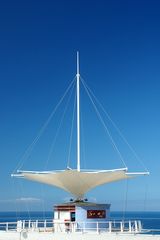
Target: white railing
[109, 226]
[66, 226]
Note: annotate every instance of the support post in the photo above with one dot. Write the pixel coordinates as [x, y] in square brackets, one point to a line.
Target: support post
[136, 226]
[78, 115]
[130, 227]
[7, 227]
[97, 227]
[45, 225]
[110, 226]
[23, 224]
[29, 224]
[121, 226]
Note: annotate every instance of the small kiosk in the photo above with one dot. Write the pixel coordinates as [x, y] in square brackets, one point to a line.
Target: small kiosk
[78, 215]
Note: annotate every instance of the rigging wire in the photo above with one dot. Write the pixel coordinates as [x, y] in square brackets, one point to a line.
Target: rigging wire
[145, 196]
[83, 141]
[71, 134]
[125, 199]
[42, 202]
[15, 200]
[118, 130]
[31, 146]
[58, 129]
[24, 200]
[104, 125]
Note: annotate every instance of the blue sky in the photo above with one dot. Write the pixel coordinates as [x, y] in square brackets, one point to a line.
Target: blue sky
[119, 54]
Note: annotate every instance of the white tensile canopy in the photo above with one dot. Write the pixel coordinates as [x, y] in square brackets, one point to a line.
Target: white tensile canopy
[78, 182]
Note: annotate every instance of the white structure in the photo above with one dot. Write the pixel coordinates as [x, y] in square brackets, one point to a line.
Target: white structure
[79, 219]
[76, 181]
[80, 216]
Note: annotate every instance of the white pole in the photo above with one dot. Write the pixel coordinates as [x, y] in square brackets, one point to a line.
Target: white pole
[78, 116]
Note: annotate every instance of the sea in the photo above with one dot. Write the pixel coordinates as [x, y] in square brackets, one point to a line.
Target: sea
[150, 220]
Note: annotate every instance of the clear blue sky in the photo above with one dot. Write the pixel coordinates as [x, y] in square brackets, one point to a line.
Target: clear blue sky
[120, 60]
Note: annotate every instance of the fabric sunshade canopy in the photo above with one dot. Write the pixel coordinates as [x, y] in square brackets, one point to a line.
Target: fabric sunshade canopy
[78, 182]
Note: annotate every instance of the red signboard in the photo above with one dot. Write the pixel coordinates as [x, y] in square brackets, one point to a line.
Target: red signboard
[96, 214]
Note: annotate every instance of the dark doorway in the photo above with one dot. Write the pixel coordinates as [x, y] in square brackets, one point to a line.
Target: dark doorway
[73, 217]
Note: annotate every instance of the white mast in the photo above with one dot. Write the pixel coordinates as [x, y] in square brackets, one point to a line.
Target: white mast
[78, 115]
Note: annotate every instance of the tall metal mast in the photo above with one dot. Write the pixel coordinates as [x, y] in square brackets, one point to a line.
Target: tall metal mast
[78, 115]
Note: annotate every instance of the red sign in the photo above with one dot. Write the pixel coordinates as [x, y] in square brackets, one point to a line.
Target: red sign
[96, 214]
